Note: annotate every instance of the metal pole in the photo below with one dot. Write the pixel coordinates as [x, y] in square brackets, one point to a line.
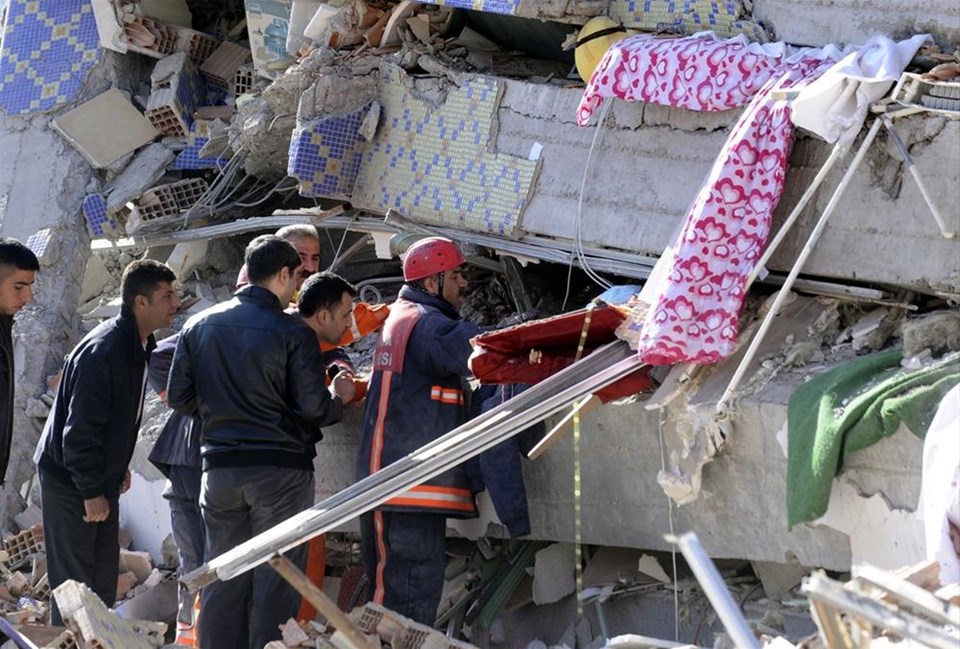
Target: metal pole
[912, 168]
[795, 214]
[801, 258]
[716, 591]
[459, 445]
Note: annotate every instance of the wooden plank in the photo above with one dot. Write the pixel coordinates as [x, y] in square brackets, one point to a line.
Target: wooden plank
[328, 609]
[830, 625]
[925, 574]
[583, 407]
[910, 595]
[820, 589]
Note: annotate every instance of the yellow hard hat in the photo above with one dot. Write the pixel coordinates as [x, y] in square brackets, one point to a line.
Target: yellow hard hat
[594, 40]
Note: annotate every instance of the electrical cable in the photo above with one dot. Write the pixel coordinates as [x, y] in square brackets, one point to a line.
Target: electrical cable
[673, 551]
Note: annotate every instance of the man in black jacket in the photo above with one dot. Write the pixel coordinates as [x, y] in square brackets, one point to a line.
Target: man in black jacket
[92, 430]
[18, 268]
[255, 376]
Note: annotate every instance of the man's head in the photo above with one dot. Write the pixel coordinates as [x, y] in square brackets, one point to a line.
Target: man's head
[307, 243]
[272, 263]
[434, 264]
[18, 269]
[147, 290]
[326, 304]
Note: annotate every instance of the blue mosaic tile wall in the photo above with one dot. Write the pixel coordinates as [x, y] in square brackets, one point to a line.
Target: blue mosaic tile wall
[325, 156]
[98, 221]
[508, 7]
[190, 158]
[727, 18]
[437, 165]
[48, 48]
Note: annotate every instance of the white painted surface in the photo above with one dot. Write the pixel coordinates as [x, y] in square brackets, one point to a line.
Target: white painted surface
[145, 514]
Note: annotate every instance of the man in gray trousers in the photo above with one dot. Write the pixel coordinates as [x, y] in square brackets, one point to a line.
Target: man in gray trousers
[255, 377]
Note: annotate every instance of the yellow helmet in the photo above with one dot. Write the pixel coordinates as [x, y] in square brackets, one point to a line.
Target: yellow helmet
[594, 40]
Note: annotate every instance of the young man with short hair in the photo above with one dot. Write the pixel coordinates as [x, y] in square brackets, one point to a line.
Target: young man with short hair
[18, 269]
[89, 438]
[255, 376]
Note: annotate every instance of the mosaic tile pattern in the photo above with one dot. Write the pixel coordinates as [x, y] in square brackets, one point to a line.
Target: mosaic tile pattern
[39, 242]
[325, 156]
[99, 222]
[436, 164]
[508, 7]
[48, 48]
[190, 158]
[727, 18]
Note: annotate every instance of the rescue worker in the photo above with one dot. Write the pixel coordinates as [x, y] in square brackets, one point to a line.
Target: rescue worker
[416, 394]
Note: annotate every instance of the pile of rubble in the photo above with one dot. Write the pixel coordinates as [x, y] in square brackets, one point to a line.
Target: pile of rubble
[25, 593]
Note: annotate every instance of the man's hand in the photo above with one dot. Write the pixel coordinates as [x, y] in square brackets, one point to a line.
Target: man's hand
[342, 386]
[97, 510]
[125, 485]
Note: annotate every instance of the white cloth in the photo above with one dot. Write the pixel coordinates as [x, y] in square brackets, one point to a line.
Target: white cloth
[835, 105]
[940, 486]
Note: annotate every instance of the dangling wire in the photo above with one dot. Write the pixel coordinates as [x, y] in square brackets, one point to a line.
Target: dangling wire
[577, 251]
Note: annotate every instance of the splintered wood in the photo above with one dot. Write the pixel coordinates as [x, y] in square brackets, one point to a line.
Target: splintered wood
[905, 604]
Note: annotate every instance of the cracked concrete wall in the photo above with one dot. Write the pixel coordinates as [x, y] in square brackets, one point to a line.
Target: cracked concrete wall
[819, 22]
[651, 161]
[741, 511]
[42, 183]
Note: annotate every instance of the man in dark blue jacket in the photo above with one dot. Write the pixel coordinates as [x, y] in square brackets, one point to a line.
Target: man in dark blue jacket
[255, 377]
[18, 269]
[91, 432]
[416, 395]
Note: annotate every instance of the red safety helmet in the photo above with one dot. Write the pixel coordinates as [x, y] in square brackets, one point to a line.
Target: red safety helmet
[430, 256]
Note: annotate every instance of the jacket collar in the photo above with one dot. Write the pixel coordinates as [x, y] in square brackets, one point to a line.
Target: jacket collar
[413, 294]
[127, 323]
[258, 294]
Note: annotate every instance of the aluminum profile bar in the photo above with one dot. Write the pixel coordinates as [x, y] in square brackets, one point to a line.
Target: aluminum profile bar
[598, 370]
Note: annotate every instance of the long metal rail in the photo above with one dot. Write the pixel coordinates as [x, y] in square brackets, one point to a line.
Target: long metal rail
[605, 366]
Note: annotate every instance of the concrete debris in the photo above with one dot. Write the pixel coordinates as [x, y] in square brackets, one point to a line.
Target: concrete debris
[105, 129]
[96, 625]
[553, 573]
[938, 332]
[144, 170]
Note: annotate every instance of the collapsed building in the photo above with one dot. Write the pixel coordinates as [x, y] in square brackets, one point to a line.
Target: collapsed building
[177, 130]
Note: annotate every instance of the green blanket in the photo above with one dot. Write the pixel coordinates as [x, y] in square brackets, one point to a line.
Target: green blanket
[850, 408]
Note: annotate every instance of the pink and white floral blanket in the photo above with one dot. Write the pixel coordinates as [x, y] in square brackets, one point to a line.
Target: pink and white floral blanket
[695, 314]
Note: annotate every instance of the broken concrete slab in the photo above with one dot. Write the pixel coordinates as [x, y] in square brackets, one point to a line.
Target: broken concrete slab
[146, 168]
[187, 256]
[553, 573]
[157, 603]
[778, 578]
[105, 129]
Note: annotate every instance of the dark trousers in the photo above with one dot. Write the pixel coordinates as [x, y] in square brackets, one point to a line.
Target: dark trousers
[237, 504]
[85, 552]
[183, 493]
[404, 555]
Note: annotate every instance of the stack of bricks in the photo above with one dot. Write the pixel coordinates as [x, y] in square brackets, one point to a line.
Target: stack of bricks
[164, 203]
[20, 546]
[177, 89]
[199, 46]
[221, 68]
